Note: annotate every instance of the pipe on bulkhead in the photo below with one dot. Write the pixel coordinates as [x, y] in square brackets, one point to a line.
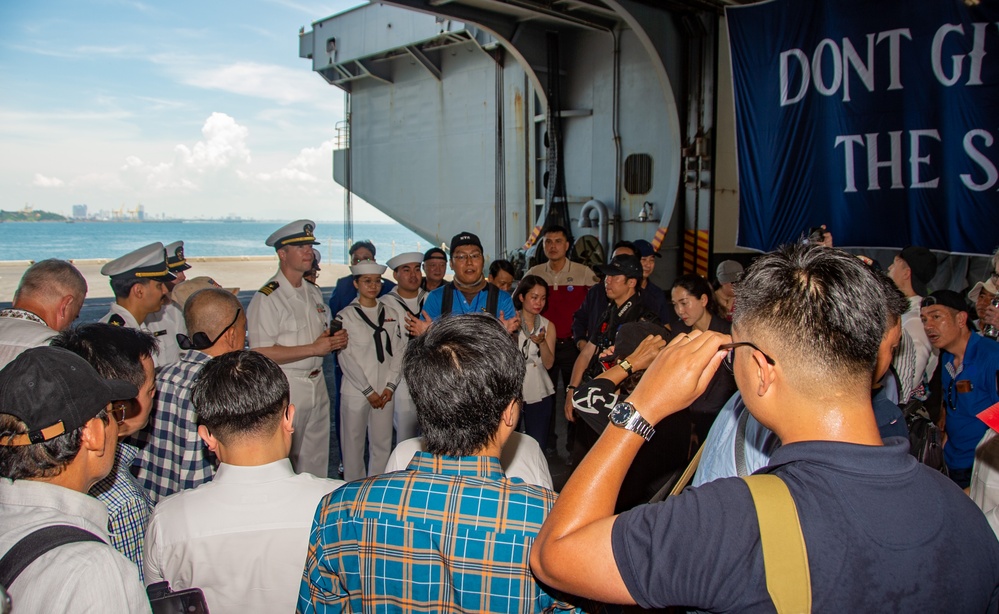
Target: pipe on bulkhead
[615, 130]
[600, 209]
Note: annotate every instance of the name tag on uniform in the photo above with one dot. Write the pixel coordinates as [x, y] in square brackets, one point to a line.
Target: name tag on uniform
[964, 386]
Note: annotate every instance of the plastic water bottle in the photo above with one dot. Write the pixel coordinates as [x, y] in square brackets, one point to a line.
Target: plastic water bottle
[989, 330]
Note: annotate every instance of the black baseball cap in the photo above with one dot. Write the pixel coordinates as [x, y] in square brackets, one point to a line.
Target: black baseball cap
[465, 238]
[923, 265]
[434, 252]
[54, 391]
[954, 300]
[632, 334]
[623, 264]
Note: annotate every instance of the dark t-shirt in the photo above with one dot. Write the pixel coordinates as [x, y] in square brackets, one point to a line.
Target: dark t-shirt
[883, 532]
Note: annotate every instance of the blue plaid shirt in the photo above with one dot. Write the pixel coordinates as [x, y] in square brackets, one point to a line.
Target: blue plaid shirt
[172, 455]
[446, 535]
[128, 505]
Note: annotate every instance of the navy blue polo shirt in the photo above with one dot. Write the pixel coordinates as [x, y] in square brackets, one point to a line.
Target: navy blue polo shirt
[883, 532]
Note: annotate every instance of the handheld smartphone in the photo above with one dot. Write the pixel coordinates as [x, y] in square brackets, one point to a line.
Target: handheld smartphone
[187, 601]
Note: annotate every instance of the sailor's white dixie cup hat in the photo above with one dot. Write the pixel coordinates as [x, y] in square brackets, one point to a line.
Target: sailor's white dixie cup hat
[405, 258]
[147, 262]
[299, 232]
[175, 257]
[367, 267]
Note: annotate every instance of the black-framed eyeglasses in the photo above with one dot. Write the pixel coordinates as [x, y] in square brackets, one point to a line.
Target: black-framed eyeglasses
[730, 358]
[201, 341]
[119, 409]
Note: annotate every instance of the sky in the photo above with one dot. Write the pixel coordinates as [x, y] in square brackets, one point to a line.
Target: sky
[190, 108]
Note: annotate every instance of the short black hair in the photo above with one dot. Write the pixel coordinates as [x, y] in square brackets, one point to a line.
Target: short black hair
[122, 286]
[818, 310]
[555, 228]
[240, 394]
[626, 245]
[895, 302]
[697, 286]
[526, 285]
[501, 265]
[41, 460]
[462, 374]
[115, 352]
[368, 245]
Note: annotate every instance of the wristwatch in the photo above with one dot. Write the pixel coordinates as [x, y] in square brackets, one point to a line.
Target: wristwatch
[625, 415]
[624, 364]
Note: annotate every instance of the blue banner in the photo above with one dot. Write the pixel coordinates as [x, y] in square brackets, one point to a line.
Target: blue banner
[877, 118]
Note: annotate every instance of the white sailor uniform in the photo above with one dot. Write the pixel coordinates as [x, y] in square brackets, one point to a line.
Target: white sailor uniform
[280, 314]
[170, 319]
[404, 416]
[371, 362]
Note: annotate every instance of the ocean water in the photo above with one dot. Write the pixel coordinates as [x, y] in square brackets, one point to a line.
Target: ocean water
[79, 240]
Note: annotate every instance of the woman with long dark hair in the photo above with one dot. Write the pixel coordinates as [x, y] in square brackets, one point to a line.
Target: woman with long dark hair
[695, 305]
[536, 340]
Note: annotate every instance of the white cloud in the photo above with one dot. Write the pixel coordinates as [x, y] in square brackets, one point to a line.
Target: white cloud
[310, 166]
[224, 144]
[46, 182]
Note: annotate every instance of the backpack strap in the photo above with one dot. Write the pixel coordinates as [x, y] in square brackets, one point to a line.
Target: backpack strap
[492, 299]
[785, 560]
[37, 543]
[447, 299]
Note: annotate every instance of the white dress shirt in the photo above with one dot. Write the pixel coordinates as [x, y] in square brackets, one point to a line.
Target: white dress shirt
[522, 458]
[77, 577]
[241, 538]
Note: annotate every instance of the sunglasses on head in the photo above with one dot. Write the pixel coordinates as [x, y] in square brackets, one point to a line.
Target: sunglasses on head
[201, 341]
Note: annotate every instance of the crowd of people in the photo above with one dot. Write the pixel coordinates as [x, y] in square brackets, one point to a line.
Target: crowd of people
[184, 439]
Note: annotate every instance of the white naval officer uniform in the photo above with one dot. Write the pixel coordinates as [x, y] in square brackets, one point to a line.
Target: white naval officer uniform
[167, 323]
[404, 415]
[171, 317]
[363, 374]
[280, 314]
[148, 263]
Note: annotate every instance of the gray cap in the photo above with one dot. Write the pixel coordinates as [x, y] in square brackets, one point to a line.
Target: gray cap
[728, 272]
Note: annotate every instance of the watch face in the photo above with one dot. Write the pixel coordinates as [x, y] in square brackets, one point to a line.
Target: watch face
[620, 414]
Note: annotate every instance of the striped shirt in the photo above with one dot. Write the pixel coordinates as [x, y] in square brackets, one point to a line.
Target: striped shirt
[173, 457]
[446, 535]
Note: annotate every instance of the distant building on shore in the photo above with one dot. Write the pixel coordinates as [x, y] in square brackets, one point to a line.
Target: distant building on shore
[79, 212]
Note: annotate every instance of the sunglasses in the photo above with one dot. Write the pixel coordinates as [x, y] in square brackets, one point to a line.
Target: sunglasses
[201, 341]
[730, 357]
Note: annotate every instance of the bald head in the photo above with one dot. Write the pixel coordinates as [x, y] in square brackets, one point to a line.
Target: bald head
[211, 311]
[53, 290]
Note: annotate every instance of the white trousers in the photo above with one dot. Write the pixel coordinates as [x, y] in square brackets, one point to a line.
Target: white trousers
[310, 443]
[406, 424]
[359, 422]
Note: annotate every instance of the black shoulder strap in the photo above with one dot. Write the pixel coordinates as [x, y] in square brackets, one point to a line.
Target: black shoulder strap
[37, 543]
[447, 300]
[492, 299]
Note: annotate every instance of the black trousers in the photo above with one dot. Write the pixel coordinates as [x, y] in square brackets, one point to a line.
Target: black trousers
[565, 357]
